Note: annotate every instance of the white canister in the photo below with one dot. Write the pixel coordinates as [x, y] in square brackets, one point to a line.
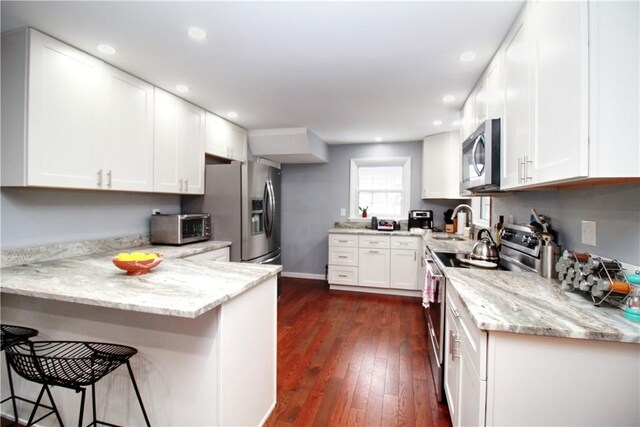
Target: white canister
[462, 222]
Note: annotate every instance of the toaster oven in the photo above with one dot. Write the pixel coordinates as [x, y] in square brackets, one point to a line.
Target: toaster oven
[180, 229]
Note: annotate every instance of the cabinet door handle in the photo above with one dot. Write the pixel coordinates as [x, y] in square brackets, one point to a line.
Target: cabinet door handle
[343, 241]
[186, 185]
[342, 275]
[415, 256]
[526, 169]
[99, 177]
[521, 168]
[455, 312]
[180, 182]
[342, 256]
[109, 178]
[373, 252]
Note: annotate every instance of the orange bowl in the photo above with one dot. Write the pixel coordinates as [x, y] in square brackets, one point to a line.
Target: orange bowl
[136, 268]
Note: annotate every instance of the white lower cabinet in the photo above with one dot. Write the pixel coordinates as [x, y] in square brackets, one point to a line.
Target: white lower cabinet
[373, 269]
[375, 261]
[511, 379]
[220, 255]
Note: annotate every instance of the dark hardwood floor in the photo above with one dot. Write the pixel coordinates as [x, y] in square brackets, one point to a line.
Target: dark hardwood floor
[347, 358]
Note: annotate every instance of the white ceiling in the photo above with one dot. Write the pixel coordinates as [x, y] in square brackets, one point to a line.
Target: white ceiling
[349, 71]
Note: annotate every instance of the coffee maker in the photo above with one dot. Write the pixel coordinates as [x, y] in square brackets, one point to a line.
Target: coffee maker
[421, 219]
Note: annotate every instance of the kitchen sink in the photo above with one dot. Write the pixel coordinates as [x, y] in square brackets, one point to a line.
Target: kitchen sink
[448, 238]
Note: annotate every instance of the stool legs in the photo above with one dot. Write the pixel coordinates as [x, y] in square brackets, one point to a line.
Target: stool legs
[13, 396]
[135, 387]
[54, 409]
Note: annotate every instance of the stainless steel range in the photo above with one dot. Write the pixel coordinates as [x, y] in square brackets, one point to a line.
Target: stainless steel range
[519, 251]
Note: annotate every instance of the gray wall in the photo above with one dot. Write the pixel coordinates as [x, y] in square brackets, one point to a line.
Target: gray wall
[34, 217]
[615, 208]
[313, 194]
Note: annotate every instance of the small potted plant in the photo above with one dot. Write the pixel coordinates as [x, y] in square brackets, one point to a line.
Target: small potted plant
[364, 211]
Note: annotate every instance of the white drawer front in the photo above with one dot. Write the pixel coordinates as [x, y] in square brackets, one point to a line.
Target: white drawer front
[342, 275]
[378, 242]
[405, 242]
[343, 256]
[343, 240]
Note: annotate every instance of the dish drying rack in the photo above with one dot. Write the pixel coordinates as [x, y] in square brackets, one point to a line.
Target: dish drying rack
[603, 280]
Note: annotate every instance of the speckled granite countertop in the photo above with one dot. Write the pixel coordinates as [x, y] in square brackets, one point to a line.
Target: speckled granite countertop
[526, 303]
[176, 287]
[368, 231]
[442, 242]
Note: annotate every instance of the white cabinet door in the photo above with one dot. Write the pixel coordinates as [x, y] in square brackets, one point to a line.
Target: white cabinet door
[127, 151]
[179, 145]
[64, 115]
[560, 53]
[404, 268]
[454, 160]
[192, 132]
[480, 106]
[373, 268]
[225, 139]
[473, 391]
[237, 143]
[495, 87]
[468, 117]
[518, 95]
[452, 367]
[434, 166]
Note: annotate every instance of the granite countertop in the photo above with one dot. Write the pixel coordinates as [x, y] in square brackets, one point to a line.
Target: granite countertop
[368, 231]
[176, 287]
[527, 303]
[440, 242]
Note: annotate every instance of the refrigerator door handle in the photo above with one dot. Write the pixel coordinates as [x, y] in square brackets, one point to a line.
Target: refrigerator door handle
[266, 197]
[272, 205]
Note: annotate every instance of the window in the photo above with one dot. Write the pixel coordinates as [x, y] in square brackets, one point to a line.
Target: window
[482, 211]
[381, 185]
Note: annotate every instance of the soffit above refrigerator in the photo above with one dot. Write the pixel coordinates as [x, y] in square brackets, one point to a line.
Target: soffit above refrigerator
[288, 145]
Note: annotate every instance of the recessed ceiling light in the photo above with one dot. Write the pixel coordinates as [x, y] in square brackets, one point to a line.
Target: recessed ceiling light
[106, 49]
[448, 98]
[378, 139]
[182, 88]
[468, 56]
[197, 33]
[456, 122]
[232, 114]
[437, 122]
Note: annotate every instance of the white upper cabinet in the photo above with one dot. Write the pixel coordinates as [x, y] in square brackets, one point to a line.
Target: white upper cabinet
[127, 150]
[225, 139]
[468, 117]
[179, 145]
[63, 115]
[568, 69]
[441, 166]
[515, 139]
[560, 56]
[87, 125]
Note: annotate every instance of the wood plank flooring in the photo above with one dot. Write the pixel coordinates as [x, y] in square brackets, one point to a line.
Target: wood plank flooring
[352, 359]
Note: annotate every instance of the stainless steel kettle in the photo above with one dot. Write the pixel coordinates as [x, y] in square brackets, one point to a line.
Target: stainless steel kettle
[485, 248]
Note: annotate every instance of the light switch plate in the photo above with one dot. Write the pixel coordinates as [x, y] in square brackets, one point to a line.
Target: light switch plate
[589, 233]
[343, 212]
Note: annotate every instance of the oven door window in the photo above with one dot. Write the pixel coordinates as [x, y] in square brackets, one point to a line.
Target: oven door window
[192, 228]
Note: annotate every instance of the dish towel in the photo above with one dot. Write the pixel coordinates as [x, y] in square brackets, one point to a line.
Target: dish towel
[428, 289]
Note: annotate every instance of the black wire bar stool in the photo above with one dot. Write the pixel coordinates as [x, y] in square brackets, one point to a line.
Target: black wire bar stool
[74, 365]
[11, 335]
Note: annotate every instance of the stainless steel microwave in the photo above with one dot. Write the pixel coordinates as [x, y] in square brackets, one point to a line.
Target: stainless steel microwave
[180, 229]
[481, 159]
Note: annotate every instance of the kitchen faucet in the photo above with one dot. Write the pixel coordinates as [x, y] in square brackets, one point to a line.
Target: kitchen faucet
[455, 213]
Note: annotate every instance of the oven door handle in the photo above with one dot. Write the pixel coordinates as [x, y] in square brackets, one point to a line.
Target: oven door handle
[433, 270]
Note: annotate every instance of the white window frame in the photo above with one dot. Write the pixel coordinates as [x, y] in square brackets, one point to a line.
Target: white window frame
[405, 162]
[476, 205]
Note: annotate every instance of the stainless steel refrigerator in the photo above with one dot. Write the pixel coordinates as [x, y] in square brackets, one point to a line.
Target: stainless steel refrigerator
[244, 202]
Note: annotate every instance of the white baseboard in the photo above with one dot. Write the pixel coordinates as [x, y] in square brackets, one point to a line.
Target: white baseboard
[383, 291]
[303, 275]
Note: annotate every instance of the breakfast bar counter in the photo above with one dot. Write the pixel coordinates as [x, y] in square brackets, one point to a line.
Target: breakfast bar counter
[205, 331]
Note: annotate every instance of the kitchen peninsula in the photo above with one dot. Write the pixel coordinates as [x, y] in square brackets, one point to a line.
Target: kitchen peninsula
[205, 331]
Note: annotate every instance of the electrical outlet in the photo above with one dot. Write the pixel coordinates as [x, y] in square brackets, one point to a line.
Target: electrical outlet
[155, 211]
[343, 212]
[589, 233]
